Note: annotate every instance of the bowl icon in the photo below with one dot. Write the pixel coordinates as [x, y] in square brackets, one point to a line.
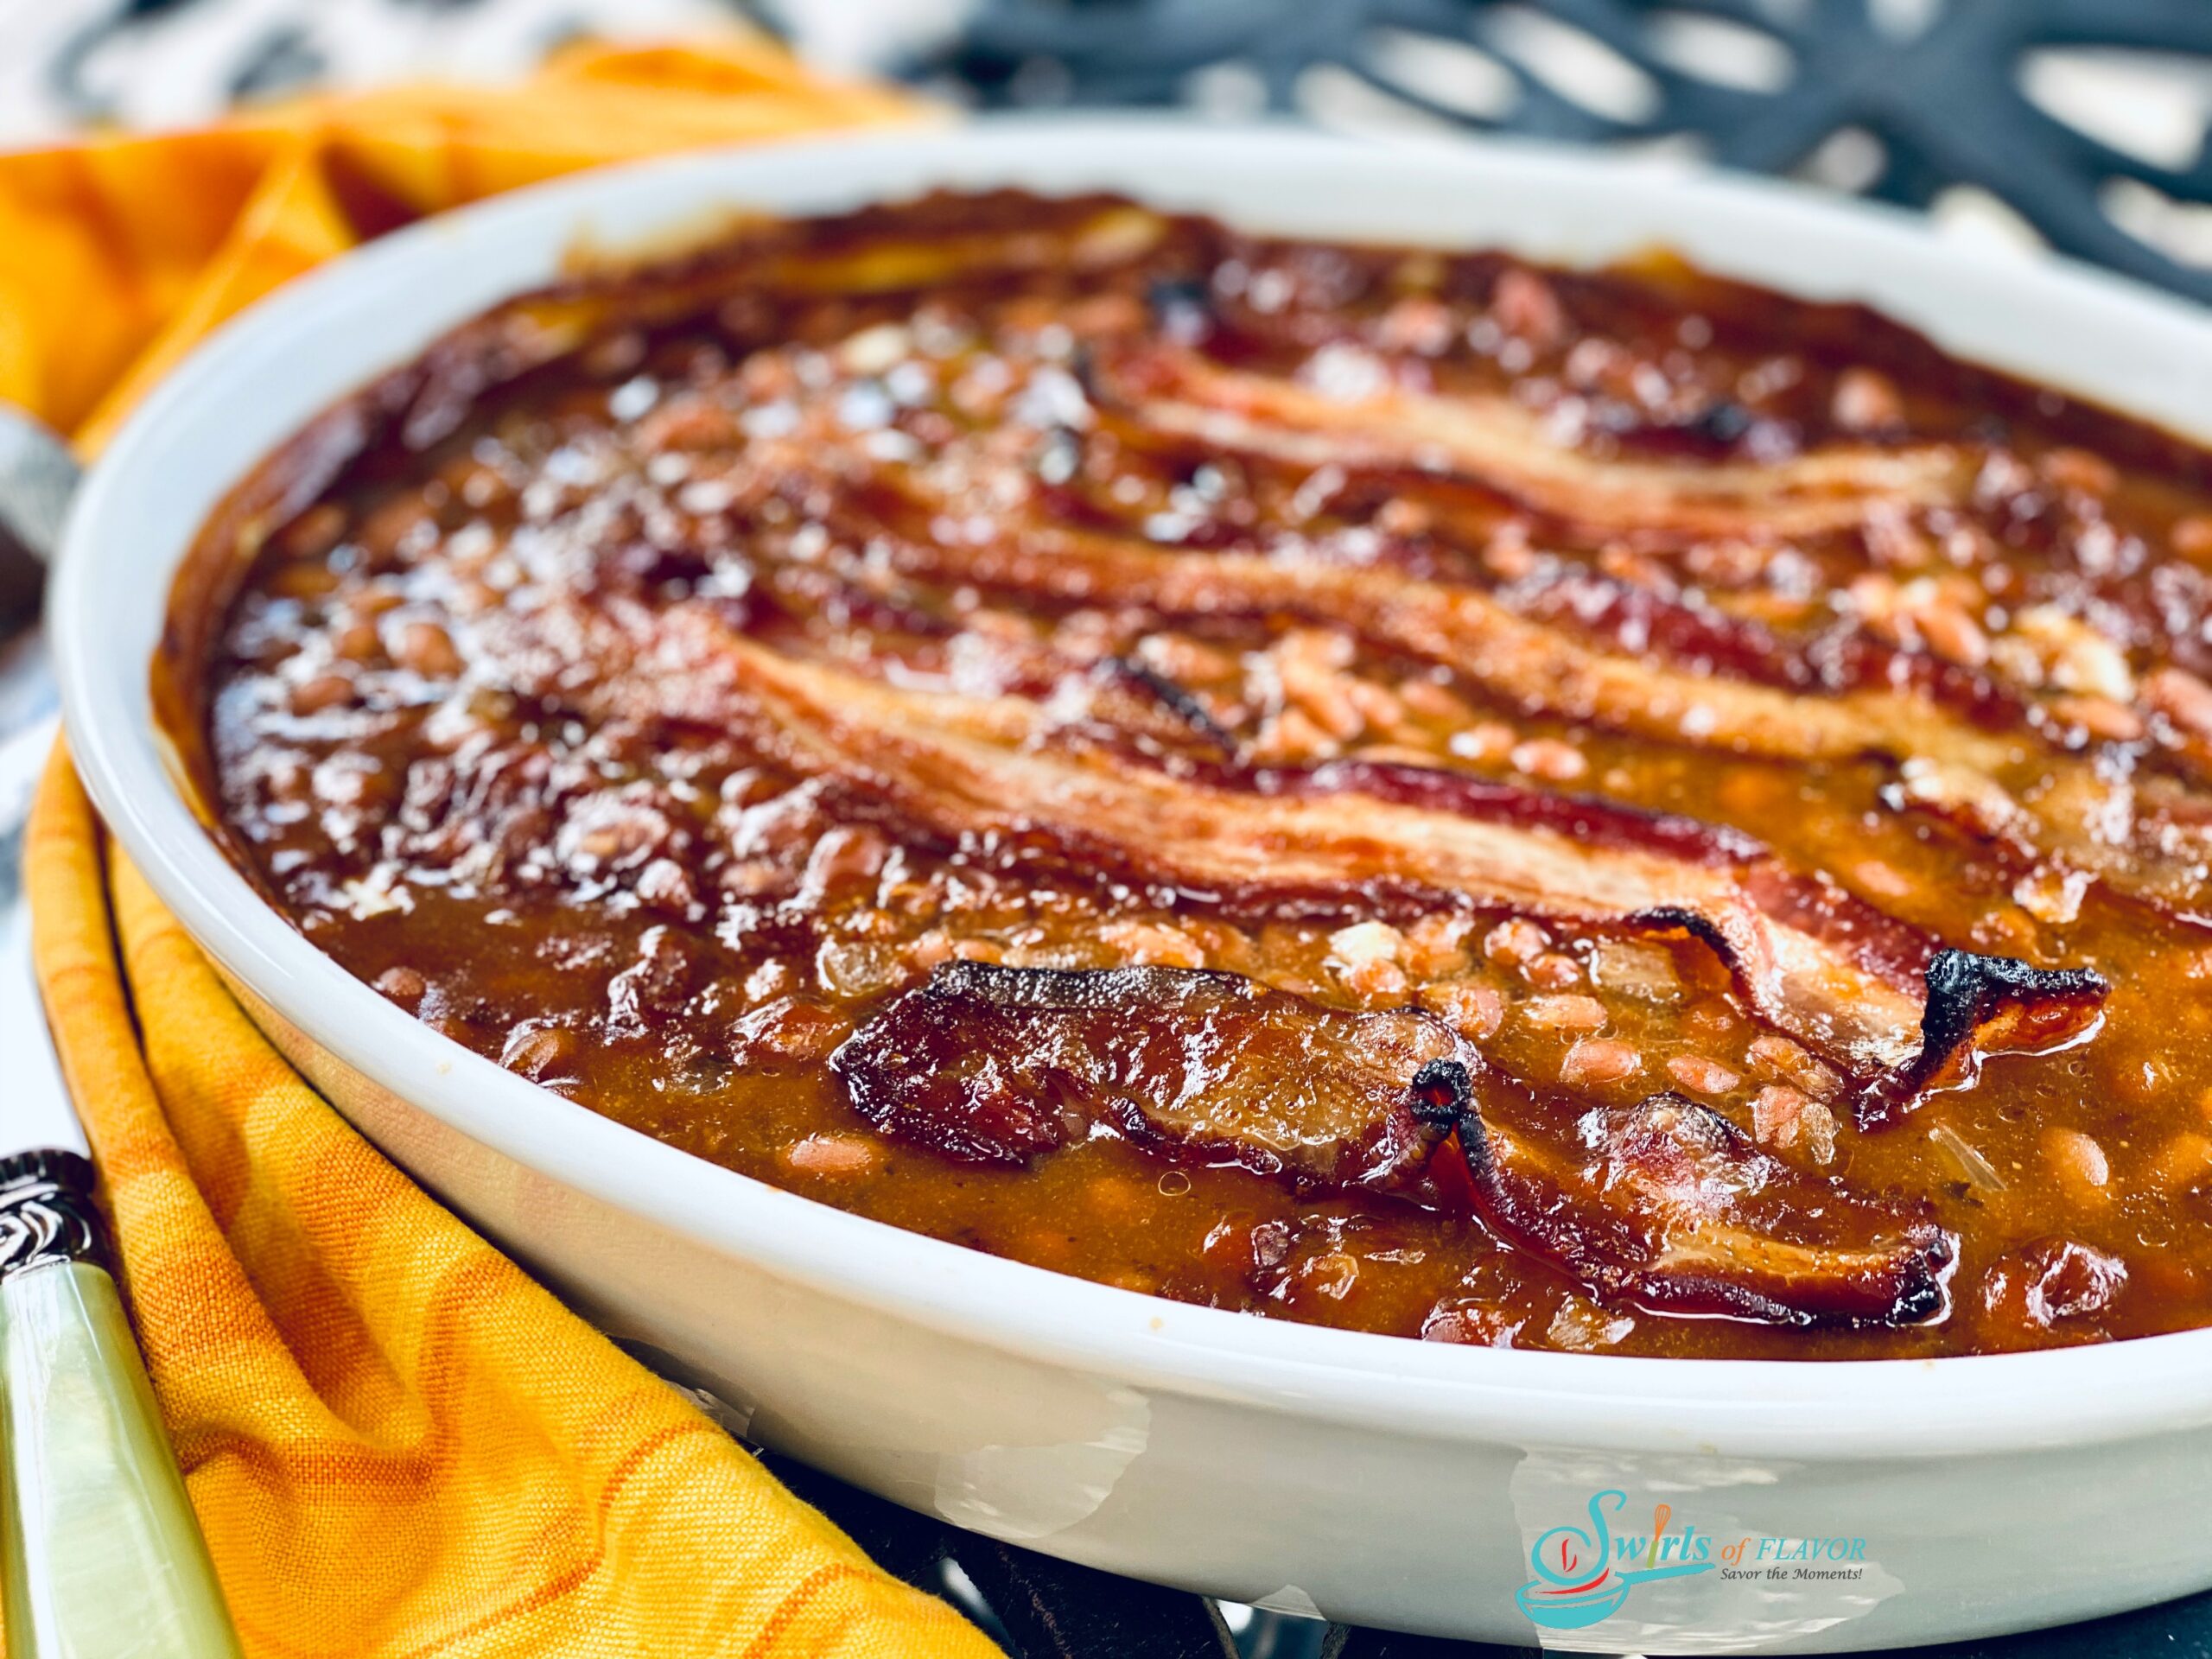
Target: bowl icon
[1553, 1609]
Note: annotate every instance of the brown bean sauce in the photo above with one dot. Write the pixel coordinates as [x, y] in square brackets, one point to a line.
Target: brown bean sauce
[669, 673]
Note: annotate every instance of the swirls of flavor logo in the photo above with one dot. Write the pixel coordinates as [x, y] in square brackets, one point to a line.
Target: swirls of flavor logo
[1584, 1574]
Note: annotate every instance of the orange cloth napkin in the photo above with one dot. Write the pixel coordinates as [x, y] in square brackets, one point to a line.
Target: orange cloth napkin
[397, 1443]
[117, 254]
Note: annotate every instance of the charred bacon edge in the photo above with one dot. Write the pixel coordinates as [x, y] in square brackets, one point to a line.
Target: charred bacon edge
[1965, 993]
[1177, 699]
[861, 1065]
[1974, 1004]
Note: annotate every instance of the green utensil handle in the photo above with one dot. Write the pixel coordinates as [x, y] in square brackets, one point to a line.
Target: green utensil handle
[103, 1557]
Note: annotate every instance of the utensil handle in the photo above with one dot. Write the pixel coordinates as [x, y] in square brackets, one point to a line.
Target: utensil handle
[38, 478]
[102, 1554]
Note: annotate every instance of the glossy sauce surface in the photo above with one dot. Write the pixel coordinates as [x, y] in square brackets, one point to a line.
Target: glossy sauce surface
[669, 674]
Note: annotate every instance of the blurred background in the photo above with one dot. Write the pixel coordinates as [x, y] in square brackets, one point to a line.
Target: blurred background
[2077, 124]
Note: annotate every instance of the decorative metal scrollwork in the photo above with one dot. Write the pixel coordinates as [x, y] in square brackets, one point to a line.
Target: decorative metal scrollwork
[47, 1213]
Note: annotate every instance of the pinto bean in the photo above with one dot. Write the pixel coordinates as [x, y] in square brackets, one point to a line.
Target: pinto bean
[1550, 759]
[536, 1052]
[403, 985]
[1702, 1076]
[2182, 698]
[314, 533]
[427, 649]
[1475, 1010]
[1527, 308]
[2191, 537]
[1598, 1060]
[1866, 400]
[1153, 944]
[2184, 1162]
[1512, 942]
[324, 691]
[2079, 470]
[1780, 1059]
[1567, 1013]
[2080, 1163]
[1554, 970]
[840, 1156]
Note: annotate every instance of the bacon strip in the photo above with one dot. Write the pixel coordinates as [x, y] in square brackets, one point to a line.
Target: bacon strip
[1668, 1204]
[1663, 1203]
[2006, 785]
[1495, 442]
[2149, 840]
[1538, 667]
[984, 774]
[1001, 1065]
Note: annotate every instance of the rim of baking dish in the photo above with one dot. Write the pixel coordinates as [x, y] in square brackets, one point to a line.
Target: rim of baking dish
[255, 381]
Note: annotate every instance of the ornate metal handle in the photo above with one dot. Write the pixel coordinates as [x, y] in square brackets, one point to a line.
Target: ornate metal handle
[101, 1552]
[47, 1213]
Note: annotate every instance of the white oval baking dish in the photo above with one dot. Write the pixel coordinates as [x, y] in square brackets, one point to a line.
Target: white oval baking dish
[1371, 1479]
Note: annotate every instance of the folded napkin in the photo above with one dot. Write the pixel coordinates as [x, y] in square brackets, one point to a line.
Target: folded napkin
[117, 253]
[397, 1443]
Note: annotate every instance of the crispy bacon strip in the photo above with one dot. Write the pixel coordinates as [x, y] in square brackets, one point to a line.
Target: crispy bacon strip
[1495, 442]
[1669, 1204]
[1538, 667]
[1000, 1065]
[2008, 785]
[984, 774]
[1663, 1203]
[2149, 839]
